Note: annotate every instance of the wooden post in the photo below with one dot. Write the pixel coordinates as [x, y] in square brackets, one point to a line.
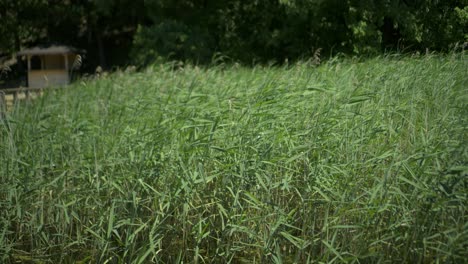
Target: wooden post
[3, 107]
[15, 97]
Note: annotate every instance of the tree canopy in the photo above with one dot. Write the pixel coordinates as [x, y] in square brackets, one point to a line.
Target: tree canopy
[116, 32]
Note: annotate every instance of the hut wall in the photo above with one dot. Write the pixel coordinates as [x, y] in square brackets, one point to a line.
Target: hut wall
[44, 78]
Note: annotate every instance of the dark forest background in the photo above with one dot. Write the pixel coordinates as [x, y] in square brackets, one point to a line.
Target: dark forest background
[141, 32]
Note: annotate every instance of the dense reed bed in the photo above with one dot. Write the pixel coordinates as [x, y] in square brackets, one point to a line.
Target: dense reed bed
[358, 161]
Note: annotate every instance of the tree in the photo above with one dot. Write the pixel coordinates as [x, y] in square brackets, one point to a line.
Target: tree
[258, 30]
[22, 22]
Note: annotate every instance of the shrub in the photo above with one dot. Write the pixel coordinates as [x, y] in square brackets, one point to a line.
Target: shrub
[171, 40]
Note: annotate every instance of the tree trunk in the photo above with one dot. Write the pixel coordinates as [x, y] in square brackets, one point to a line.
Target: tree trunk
[17, 28]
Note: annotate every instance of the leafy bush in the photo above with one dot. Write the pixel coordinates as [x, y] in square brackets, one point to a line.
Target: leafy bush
[171, 40]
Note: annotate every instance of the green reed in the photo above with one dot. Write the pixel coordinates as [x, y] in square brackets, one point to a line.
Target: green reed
[352, 161]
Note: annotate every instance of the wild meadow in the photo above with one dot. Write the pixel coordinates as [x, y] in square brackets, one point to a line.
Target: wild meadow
[352, 161]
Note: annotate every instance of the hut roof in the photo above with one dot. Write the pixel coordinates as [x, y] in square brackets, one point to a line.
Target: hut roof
[49, 50]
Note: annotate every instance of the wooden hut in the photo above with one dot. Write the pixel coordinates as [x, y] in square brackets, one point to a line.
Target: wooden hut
[49, 66]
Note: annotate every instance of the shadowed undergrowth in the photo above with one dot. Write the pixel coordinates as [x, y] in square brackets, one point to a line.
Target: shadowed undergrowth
[347, 162]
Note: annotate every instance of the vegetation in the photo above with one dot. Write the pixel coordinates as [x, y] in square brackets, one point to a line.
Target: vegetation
[351, 161]
[245, 31]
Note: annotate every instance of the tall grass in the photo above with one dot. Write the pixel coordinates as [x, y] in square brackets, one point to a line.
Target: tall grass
[353, 161]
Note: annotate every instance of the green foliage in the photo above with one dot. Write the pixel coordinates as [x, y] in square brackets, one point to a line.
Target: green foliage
[462, 21]
[171, 40]
[352, 161]
[265, 30]
[21, 21]
[246, 31]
